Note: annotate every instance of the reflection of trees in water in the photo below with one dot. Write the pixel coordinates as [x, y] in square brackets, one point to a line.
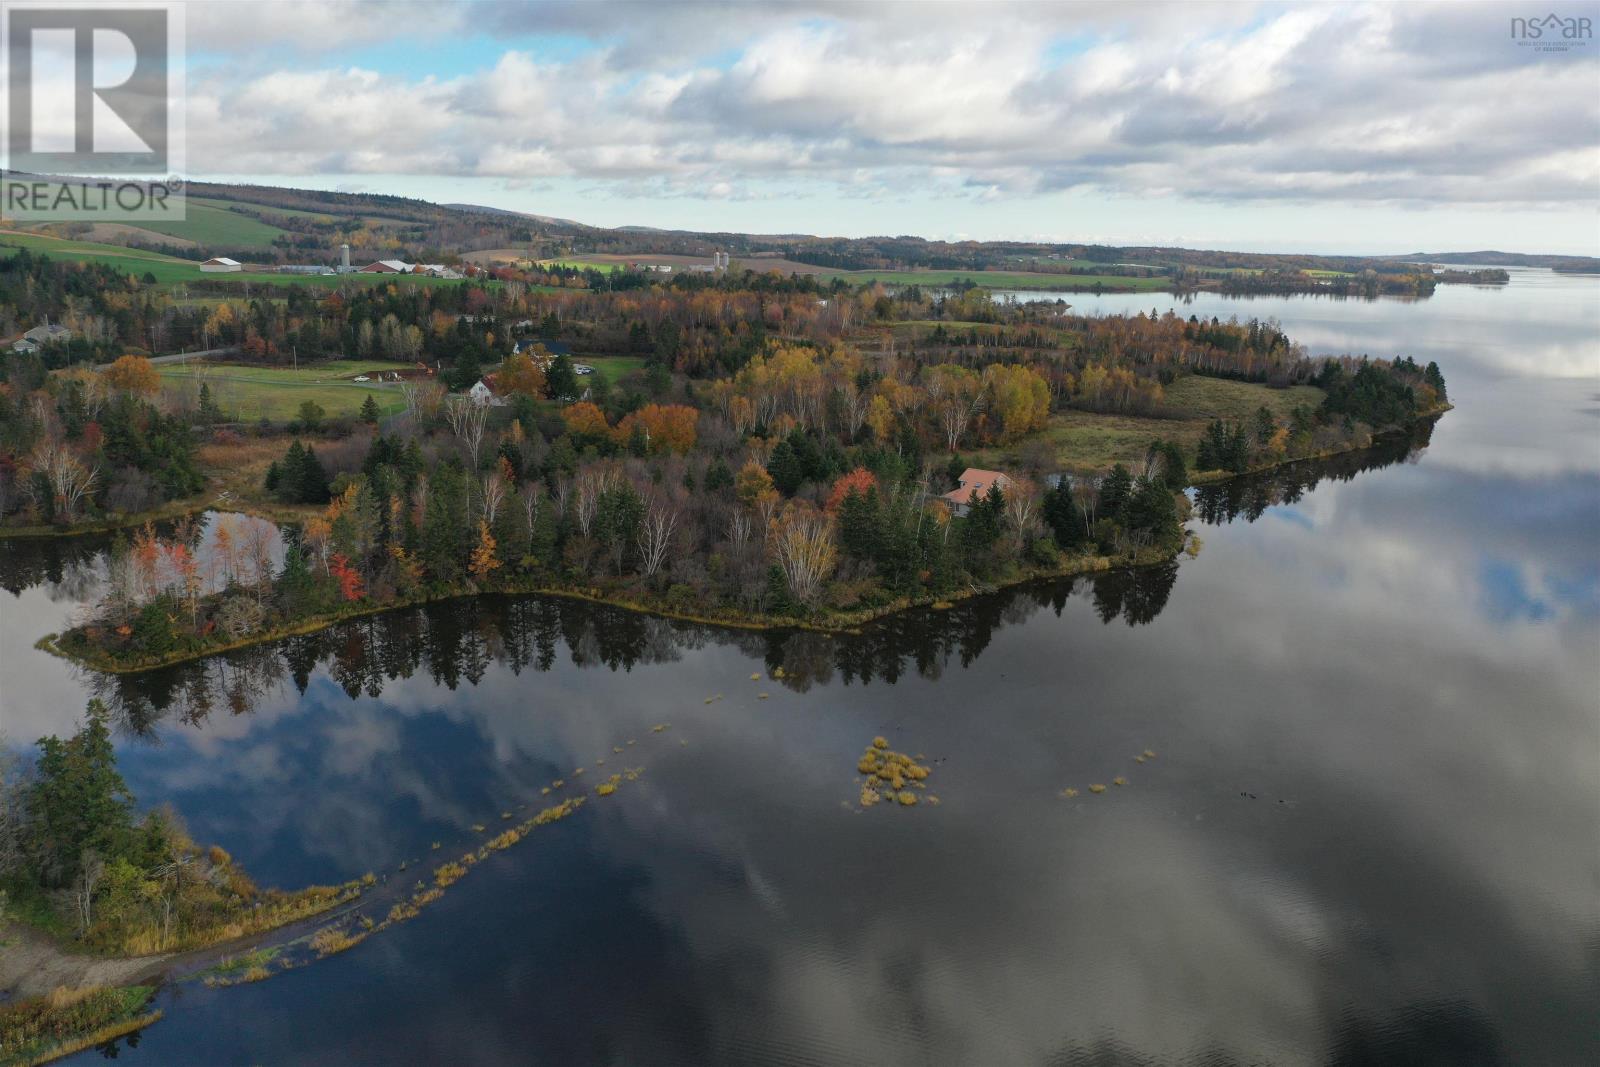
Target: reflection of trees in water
[457, 642]
[53, 562]
[1250, 496]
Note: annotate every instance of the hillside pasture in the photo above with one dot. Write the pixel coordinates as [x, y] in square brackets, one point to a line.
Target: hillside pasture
[1092, 443]
[250, 393]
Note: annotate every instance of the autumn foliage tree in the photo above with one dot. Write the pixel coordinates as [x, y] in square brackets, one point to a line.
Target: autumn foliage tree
[667, 427]
[133, 374]
[521, 376]
[859, 480]
[484, 560]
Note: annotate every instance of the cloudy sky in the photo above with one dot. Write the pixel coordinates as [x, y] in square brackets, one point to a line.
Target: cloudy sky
[1328, 127]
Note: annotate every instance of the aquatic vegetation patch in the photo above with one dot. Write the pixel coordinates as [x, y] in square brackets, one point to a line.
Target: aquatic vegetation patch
[66, 1020]
[333, 939]
[889, 775]
[1098, 788]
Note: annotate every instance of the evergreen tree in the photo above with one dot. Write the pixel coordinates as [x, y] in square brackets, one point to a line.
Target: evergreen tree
[1062, 514]
[719, 477]
[787, 472]
[617, 516]
[860, 531]
[309, 478]
[1115, 488]
[79, 802]
[1173, 469]
[209, 411]
[273, 475]
[1152, 511]
[1435, 377]
[446, 535]
[560, 381]
[1265, 425]
[369, 410]
[777, 598]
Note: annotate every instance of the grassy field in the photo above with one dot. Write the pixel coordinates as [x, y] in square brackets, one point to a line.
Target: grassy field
[612, 368]
[249, 393]
[216, 227]
[1212, 398]
[579, 264]
[170, 271]
[1087, 442]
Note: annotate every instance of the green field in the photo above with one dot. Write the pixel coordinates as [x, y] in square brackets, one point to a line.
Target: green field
[247, 393]
[1088, 442]
[170, 271]
[213, 227]
[579, 264]
[1218, 398]
[612, 368]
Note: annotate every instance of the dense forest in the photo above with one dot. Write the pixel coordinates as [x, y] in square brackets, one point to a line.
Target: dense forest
[783, 451]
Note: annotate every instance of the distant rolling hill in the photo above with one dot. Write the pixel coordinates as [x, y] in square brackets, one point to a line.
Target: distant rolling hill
[1584, 264]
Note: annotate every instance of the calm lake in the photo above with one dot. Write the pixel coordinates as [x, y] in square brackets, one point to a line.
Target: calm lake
[1371, 832]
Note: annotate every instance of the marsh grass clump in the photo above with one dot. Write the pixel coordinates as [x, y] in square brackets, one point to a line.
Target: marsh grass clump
[609, 786]
[887, 775]
[331, 939]
[1148, 754]
[70, 1020]
[1119, 780]
[449, 874]
[659, 727]
[1097, 788]
[478, 828]
[1069, 792]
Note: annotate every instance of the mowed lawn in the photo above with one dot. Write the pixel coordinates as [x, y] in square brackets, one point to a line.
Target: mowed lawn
[247, 394]
[1087, 442]
[612, 368]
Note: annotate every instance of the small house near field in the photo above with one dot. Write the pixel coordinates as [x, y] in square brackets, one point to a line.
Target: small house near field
[220, 265]
[974, 480]
[48, 334]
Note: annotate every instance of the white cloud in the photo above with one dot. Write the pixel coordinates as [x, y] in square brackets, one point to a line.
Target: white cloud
[1415, 105]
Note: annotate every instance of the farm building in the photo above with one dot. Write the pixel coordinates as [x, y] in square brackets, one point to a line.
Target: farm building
[387, 266]
[973, 480]
[220, 265]
[36, 338]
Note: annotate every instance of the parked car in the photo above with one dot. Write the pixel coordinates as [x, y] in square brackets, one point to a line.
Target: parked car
[582, 368]
[362, 378]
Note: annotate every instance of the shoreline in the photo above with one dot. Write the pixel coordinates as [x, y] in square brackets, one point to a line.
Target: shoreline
[842, 622]
[837, 622]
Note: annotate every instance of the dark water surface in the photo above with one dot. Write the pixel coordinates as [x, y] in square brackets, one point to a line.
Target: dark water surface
[1370, 835]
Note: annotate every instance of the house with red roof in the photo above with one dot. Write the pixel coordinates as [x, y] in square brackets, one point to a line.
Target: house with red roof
[974, 480]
